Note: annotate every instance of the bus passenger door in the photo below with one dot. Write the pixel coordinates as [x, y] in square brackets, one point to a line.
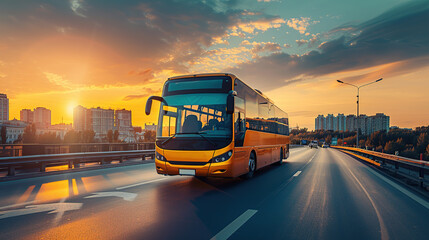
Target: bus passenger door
[239, 128]
[241, 156]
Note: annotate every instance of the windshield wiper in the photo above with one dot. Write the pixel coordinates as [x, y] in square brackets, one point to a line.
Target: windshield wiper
[197, 133]
[168, 139]
[201, 135]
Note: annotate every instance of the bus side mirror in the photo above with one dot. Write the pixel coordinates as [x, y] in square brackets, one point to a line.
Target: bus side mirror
[148, 106]
[230, 104]
[149, 103]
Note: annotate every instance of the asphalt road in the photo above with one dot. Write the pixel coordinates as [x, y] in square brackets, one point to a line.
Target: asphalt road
[315, 194]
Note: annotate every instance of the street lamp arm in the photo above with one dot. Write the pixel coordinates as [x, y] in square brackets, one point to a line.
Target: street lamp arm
[370, 83]
[350, 84]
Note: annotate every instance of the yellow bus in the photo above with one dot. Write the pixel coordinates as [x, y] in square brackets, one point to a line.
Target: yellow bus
[214, 125]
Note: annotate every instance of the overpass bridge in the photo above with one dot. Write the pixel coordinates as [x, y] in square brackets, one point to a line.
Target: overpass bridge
[317, 194]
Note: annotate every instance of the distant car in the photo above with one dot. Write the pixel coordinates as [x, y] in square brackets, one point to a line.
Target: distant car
[313, 144]
[325, 145]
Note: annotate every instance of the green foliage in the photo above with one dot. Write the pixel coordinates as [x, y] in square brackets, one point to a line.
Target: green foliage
[29, 135]
[110, 136]
[422, 142]
[410, 153]
[298, 131]
[3, 135]
[72, 137]
[149, 136]
[48, 138]
[86, 136]
[393, 146]
[427, 153]
[116, 136]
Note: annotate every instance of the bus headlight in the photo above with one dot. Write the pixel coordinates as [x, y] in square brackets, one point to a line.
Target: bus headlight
[160, 157]
[222, 158]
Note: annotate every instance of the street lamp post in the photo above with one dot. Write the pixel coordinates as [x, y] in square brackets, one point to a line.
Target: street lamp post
[357, 103]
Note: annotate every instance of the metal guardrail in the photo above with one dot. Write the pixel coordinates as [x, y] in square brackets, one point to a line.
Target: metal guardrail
[72, 159]
[411, 169]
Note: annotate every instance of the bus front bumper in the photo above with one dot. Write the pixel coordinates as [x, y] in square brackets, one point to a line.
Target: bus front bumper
[222, 169]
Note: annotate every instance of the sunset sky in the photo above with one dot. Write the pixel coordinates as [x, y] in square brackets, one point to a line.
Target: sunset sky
[114, 54]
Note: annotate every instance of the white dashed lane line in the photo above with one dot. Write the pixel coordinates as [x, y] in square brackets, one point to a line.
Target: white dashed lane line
[234, 225]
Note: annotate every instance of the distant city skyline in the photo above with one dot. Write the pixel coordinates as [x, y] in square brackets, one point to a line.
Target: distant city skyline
[367, 124]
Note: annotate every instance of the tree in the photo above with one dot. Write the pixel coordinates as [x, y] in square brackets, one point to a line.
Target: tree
[18, 140]
[422, 142]
[3, 135]
[72, 137]
[393, 146]
[47, 138]
[149, 136]
[88, 136]
[110, 136]
[116, 136]
[29, 135]
[410, 153]
[427, 153]
[328, 139]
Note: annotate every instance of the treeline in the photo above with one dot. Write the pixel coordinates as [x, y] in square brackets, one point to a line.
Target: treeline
[407, 143]
[88, 136]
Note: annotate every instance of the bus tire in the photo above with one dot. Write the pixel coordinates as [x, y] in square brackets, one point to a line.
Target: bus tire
[281, 157]
[252, 166]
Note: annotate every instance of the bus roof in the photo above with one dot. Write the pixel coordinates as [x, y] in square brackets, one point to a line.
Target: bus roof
[203, 75]
[223, 74]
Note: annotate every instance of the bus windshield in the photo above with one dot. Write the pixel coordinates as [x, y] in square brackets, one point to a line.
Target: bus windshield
[194, 122]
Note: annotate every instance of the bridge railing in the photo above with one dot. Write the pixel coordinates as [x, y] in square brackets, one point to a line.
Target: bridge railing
[412, 169]
[70, 159]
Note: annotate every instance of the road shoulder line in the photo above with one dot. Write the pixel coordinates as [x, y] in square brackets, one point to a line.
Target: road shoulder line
[411, 195]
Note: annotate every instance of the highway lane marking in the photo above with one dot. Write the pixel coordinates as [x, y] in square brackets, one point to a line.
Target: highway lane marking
[401, 189]
[234, 225]
[124, 195]
[286, 183]
[50, 208]
[383, 230]
[60, 213]
[312, 158]
[18, 205]
[139, 184]
[297, 174]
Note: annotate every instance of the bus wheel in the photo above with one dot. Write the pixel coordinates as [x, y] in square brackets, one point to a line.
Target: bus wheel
[252, 166]
[281, 157]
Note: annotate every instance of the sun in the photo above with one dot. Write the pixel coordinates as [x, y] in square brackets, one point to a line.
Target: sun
[70, 107]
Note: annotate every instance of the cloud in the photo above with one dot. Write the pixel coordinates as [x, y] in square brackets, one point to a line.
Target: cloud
[218, 59]
[265, 47]
[300, 24]
[399, 34]
[57, 80]
[252, 26]
[134, 97]
[301, 42]
[77, 6]
[148, 92]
